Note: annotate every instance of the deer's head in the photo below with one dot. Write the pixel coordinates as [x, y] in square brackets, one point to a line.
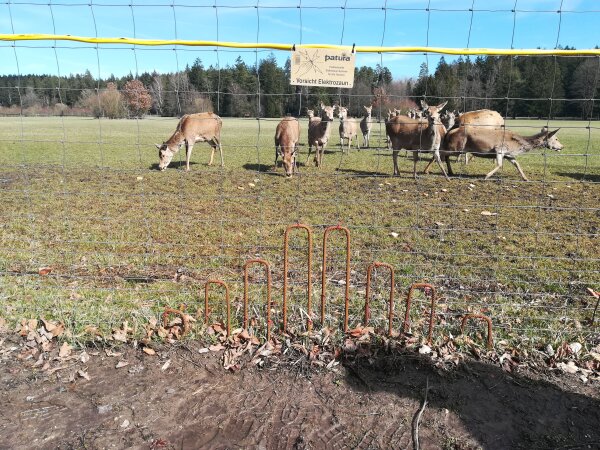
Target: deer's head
[549, 140]
[310, 113]
[165, 154]
[368, 110]
[342, 112]
[327, 112]
[432, 113]
[288, 158]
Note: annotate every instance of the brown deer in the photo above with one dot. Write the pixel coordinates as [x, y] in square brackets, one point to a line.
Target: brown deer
[365, 125]
[287, 135]
[348, 128]
[496, 143]
[417, 135]
[192, 128]
[319, 130]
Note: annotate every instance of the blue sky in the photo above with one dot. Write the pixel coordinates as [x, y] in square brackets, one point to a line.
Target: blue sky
[407, 23]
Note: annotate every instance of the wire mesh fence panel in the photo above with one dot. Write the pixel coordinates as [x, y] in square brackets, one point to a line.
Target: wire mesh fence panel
[92, 234]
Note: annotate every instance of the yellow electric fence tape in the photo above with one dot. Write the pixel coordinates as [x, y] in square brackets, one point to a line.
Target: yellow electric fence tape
[273, 46]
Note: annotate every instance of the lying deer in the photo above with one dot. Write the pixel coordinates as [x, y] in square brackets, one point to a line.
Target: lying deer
[192, 128]
[365, 126]
[348, 129]
[287, 135]
[319, 130]
[417, 135]
[496, 143]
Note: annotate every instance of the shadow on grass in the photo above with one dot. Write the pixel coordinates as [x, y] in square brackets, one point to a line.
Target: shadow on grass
[497, 409]
[592, 178]
[176, 165]
[364, 172]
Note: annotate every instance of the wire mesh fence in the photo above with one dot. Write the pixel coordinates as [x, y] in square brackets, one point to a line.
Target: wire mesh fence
[92, 234]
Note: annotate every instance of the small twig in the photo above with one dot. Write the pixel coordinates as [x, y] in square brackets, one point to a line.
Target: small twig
[417, 419]
[596, 295]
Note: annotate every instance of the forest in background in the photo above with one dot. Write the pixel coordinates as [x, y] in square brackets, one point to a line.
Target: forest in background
[519, 86]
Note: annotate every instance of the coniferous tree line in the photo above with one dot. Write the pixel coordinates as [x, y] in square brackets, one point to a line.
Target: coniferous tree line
[514, 86]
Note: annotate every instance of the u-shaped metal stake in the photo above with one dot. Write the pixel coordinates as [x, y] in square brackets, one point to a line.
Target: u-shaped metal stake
[268, 270]
[367, 296]
[490, 342]
[408, 302]
[285, 273]
[184, 319]
[206, 313]
[323, 273]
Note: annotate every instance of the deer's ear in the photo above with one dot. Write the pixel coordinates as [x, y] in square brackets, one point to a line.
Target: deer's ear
[552, 133]
[424, 104]
[441, 105]
[158, 146]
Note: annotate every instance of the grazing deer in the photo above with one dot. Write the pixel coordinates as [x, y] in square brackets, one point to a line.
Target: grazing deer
[496, 143]
[319, 130]
[417, 135]
[365, 125]
[192, 128]
[348, 129]
[287, 135]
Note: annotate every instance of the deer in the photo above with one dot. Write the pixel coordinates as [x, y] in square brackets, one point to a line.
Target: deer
[496, 143]
[192, 128]
[319, 130]
[417, 135]
[365, 125]
[448, 119]
[287, 135]
[348, 129]
[479, 118]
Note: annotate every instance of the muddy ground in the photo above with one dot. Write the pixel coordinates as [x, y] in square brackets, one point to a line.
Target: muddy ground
[180, 398]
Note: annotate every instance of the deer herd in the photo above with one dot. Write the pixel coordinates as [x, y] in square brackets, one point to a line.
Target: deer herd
[425, 130]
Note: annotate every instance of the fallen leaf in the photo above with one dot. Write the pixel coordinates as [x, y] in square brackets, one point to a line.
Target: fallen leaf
[425, 350]
[149, 351]
[44, 270]
[216, 348]
[83, 374]
[166, 365]
[84, 357]
[203, 350]
[394, 234]
[65, 350]
[488, 213]
[121, 364]
[125, 424]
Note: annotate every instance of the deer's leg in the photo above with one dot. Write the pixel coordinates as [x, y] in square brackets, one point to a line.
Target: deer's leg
[499, 159]
[447, 158]
[188, 154]
[395, 159]
[428, 166]
[415, 159]
[309, 149]
[438, 159]
[518, 166]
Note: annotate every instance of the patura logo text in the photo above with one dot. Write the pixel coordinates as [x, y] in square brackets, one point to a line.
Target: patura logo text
[337, 58]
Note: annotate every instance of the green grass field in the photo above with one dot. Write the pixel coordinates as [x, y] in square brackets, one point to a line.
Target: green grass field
[124, 240]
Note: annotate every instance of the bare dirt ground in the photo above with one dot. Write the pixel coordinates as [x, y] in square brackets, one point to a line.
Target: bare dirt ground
[180, 398]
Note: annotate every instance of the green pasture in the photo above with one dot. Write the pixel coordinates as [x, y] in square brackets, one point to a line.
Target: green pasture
[124, 240]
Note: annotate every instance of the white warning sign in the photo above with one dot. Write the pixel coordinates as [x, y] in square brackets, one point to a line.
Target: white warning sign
[322, 67]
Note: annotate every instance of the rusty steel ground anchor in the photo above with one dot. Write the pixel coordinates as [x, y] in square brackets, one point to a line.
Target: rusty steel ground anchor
[184, 318]
[323, 273]
[206, 313]
[490, 343]
[423, 286]
[368, 289]
[285, 273]
[268, 270]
